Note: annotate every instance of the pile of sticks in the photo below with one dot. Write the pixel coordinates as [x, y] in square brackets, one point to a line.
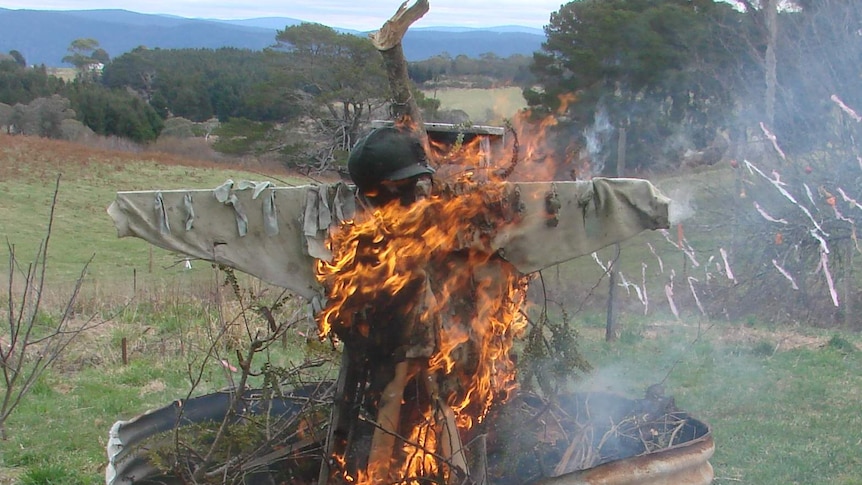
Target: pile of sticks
[535, 437]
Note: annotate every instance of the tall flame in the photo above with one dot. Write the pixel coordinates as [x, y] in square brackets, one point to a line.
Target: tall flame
[425, 267]
[420, 281]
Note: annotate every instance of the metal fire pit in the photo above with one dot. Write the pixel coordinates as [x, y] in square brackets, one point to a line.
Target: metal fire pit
[684, 463]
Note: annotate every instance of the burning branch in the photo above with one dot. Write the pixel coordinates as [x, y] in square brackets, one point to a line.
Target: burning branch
[640, 291]
[727, 269]
[849, 199]
[683, 246]
[599, 262]
[767, 216]
[824, 265]
[660, 263]
[643, 283]
[779, 185]
[809, 194]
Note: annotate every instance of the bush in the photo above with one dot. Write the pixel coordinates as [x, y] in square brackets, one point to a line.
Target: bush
[178, 127]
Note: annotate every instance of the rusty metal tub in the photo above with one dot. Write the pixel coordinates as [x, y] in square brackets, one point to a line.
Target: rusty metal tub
[684, 463]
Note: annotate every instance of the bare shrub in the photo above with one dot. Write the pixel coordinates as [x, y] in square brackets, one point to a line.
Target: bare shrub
[32, 340]
[197, 148]
[253, 433]
[114, 143]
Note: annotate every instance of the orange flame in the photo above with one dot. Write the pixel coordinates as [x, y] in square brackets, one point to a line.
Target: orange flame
[421, 280]
[458, 301]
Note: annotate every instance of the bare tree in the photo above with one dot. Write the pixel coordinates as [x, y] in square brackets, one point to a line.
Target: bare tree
[28, 345]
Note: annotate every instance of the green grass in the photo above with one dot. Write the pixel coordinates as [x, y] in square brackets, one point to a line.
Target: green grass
[789, 417]
[59, 433]
[783, 401]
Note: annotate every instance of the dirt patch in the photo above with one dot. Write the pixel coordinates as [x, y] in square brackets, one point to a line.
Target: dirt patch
[9, 476]
[153, 386]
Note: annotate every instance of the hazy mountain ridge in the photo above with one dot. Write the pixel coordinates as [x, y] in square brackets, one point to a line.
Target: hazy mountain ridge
[43, 36]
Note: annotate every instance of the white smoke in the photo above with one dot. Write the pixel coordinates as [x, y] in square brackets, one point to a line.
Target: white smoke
[681, 205]
[596, 136]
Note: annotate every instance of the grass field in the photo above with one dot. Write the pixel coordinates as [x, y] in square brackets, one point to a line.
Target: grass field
[88, 181]
[489, 106]
[783, 400]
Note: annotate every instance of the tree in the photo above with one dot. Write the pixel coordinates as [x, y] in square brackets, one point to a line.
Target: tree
[6, 118]
[101, 56]
[652, 66]
[794, 60]
[19, 85]
[818, 52]
[115, 112]
[339, 77]
[19, 59]
[200, 84]
[41, 117]
[135, 70]
[84, 54]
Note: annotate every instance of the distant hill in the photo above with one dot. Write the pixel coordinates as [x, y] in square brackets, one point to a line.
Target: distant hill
[42, 36]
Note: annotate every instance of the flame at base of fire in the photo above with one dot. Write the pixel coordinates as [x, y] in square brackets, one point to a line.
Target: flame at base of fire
[417, 283]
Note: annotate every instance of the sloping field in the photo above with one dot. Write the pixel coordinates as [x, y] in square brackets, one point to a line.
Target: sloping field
[783, 401]
[483, 105]
[88, 180]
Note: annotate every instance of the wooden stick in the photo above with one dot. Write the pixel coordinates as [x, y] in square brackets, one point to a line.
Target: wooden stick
[388, 416]
[451, 446]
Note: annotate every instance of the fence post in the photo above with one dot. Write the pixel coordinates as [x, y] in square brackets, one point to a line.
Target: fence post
[611, 323]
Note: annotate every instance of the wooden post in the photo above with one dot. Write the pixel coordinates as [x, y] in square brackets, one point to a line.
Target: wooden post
[387, 40]
[125, 350]
[849, 312]
[611, 323]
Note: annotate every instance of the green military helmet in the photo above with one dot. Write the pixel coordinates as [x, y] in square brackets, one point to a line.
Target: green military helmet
[387, 153]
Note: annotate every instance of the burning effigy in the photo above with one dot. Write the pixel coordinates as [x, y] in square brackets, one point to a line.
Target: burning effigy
[424, 299]
[417, 272]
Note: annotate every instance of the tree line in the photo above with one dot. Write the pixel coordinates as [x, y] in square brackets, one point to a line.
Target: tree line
[679, 76]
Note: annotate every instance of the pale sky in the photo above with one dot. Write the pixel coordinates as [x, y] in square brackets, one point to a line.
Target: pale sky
[349, 14]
